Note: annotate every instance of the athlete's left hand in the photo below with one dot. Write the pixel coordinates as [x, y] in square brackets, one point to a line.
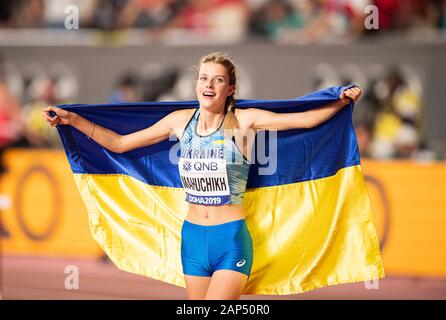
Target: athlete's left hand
[352, 93]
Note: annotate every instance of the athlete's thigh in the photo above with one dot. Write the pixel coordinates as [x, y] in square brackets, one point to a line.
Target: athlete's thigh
[226, 285]
[196, 286]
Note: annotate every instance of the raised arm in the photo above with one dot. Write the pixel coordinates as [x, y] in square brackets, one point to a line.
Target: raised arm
[264, 119]
[112, 140]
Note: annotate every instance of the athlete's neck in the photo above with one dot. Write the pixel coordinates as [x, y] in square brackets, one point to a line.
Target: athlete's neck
[208, 120]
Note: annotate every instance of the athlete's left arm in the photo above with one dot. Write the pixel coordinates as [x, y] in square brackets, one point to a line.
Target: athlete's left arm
[264, 119]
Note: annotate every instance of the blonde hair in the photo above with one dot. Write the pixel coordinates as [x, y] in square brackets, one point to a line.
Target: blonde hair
[230, 123]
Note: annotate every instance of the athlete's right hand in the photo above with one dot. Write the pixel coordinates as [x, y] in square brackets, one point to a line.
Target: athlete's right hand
[61, 116]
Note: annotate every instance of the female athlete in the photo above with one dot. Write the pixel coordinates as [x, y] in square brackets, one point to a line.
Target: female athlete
[216, 246]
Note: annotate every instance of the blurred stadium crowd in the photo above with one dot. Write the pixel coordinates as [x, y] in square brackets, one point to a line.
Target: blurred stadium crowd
[389, 122]
[284, 21]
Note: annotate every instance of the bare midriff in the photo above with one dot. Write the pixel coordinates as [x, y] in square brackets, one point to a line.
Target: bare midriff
[212, 215]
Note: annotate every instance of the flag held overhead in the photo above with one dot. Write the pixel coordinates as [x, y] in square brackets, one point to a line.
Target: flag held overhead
[310, 218]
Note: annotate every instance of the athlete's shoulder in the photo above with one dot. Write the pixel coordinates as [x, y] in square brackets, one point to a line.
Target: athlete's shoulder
[180, 116]
[183, 112]
[179, 119]
[245, 116]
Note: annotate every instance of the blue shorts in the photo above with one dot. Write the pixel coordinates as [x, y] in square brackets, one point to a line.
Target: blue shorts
[206, 249]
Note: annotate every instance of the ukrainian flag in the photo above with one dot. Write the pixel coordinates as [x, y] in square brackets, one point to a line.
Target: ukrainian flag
[310, 220]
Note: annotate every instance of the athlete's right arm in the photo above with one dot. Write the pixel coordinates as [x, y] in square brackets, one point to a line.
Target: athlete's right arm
[112, 140]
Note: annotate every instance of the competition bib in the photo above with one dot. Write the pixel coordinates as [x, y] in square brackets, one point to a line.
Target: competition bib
[205, 180]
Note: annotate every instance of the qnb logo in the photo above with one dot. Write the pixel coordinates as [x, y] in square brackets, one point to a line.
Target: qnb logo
[204, 166]
[241, 263]
[187, 166]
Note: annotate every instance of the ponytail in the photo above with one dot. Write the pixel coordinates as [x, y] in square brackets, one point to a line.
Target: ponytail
[230, 123]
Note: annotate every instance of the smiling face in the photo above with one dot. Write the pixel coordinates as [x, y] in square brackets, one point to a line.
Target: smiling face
[213, 85]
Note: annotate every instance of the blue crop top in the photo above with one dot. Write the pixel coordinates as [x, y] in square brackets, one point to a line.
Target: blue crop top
[213, 171]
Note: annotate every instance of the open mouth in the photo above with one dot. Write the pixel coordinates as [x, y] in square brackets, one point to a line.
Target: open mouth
[208, 95]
